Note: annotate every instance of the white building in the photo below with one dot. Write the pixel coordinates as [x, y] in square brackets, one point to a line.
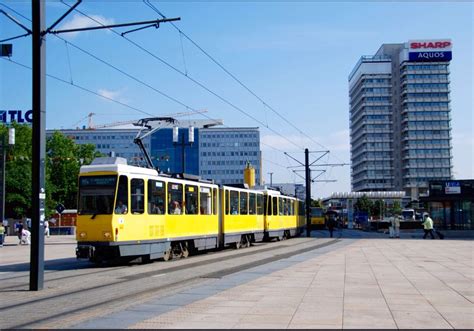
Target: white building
[224, 152]
[400, 117]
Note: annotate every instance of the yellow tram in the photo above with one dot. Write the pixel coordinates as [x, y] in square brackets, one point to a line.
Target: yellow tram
[125, 212]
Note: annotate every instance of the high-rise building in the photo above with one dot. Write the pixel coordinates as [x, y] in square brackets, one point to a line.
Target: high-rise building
[400, 117]
[224, 153]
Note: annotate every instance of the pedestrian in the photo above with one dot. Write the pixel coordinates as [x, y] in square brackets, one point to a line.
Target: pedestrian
[330, 223]
[2, 234]
[20, 230]
[46, 228]
[395, 228]
[428, 225]
[25, 236]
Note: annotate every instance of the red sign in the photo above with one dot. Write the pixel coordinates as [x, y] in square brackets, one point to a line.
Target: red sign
[430, 44]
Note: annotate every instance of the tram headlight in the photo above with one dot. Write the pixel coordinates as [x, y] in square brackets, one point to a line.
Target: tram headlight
[82, 234]
[107, 235]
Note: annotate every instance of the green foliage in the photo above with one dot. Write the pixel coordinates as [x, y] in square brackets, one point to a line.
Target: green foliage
[63, 161]
[378, 208]
[364, 204]
[396, 208]
[18, 172]
[316, 203]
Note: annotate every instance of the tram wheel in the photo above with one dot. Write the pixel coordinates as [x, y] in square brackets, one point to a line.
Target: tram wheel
[168, 255]
[248, 242]
[238, 244]
[184, 250]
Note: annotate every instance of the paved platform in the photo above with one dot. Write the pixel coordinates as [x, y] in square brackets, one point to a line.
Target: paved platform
[354, 282]
[367, 283]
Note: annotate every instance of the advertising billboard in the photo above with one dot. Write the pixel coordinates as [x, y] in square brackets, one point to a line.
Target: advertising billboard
[435, 50]
[19, 116]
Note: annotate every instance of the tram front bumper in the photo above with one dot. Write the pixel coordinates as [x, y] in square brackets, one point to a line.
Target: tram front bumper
[85, 251]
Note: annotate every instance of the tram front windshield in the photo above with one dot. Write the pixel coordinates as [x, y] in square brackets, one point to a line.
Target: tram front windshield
[96, 194]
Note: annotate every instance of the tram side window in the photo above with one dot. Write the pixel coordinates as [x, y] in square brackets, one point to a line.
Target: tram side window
[252, 205]
[260, 204]
[175, 199]
[191, 200]
[243, 203]
[205, 201]
[275, 205]
[292, 207]
[156, 197]
[137, 196]
[234, 202]
[286, 208]
[214, 201]
[226, 201]
[121, 205]
[281, 206]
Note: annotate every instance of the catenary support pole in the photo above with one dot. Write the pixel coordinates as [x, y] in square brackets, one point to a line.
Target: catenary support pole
[308, 192]
[38, 145]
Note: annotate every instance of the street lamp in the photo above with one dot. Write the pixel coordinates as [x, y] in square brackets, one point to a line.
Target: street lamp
[183, 144]
[11, 142]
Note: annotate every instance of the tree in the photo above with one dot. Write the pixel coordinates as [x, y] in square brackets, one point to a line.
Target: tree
[64, 159]
[18, 172]
[396, 208]
[378, 208]
[364, 204]
[316, 203]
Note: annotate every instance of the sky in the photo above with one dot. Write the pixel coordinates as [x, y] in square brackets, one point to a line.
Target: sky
[295, 56]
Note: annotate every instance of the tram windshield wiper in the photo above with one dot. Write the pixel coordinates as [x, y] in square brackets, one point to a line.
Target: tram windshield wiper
[93, 216]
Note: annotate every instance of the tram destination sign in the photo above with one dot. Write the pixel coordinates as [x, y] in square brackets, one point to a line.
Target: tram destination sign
[437, 50]
[19, 116]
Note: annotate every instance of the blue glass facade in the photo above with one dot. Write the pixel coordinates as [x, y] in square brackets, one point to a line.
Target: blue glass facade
[168, 156]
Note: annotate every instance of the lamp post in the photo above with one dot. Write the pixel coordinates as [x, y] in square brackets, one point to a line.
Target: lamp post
[182, 143]
[11, 142]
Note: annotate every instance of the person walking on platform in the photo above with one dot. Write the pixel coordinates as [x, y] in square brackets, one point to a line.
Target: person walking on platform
[2, 234]
[330, 223]
[427, 225]
[395, 227]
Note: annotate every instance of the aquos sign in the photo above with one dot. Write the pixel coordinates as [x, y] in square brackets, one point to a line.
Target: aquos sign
[19, 116]
[438, 50]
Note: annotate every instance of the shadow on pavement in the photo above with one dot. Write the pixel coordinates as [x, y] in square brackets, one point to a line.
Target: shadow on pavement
[53, 265]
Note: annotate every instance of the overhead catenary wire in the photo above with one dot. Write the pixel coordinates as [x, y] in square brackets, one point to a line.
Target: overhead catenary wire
[191, 79]
[151, 6]
[82, 88]
[122, 72]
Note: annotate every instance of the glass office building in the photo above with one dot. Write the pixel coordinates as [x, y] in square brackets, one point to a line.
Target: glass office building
[400, 117]
[168, 157]
[224, 153]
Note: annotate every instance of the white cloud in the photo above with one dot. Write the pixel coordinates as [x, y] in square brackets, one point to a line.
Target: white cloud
[79, 21]
[113, 94]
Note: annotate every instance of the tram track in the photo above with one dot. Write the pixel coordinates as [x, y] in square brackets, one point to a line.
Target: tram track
[113, 269]
[138, 289]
